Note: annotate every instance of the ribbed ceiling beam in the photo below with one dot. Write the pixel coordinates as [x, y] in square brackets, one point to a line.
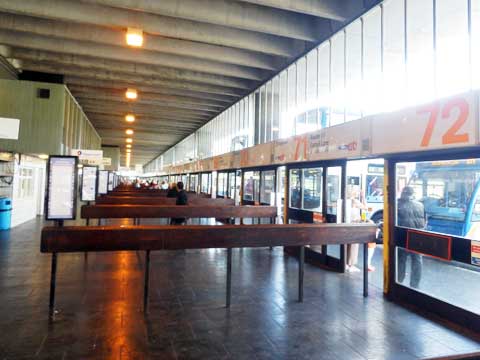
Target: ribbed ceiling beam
[120, 94]
[142, 115]
[192, 116]
[75, 47]
[120, 86]
[55, 59]
[75, 11]
[109, 36]
[134, 80]
[82, 96]
[338, 10]
[226, 13]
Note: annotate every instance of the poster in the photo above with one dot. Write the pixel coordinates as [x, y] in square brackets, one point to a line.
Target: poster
[89, 183]
[61, 190]
[102, 182]
[475, 252]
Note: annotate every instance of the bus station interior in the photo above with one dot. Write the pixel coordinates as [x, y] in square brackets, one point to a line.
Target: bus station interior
[349, 117]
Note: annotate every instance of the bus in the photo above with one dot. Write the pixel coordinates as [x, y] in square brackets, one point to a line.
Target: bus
[449, 191]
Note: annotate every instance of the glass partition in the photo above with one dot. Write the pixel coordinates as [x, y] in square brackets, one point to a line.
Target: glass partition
[267, 190]
[251, 186]
[312, 189]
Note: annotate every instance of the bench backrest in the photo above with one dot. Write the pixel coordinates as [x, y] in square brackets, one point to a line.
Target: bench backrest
[114, 238]
[143, 200]
[175, 211]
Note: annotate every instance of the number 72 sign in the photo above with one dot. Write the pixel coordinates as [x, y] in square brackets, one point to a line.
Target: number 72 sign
[442, 124]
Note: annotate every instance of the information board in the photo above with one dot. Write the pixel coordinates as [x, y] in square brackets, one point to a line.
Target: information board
[61, 190]
[102, 182]
[89, 183]
[110, 181]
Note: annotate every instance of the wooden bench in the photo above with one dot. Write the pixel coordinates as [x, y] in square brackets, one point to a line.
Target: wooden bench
[156, 238]
[158, 200]
[109, 211]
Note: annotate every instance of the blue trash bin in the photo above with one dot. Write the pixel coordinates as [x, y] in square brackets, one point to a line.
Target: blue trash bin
[5, 213]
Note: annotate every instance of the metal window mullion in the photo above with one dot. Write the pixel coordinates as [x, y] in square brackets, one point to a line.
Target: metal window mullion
[470, 56]
[434, 23]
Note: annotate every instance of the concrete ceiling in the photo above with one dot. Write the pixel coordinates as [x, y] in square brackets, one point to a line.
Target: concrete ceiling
[198, 57]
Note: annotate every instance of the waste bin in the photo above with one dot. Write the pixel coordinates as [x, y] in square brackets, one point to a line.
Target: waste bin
[5, 213]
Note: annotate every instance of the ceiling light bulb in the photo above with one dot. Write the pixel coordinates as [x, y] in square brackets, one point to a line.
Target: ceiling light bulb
[43, 156]
[129, 132]
[130, 118]
[129, 146]
[129, 140]
[129, 151]
[131, 94]
[134, 37]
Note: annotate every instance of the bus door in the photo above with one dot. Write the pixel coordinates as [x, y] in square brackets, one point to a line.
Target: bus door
[434, 237]
[316, 193]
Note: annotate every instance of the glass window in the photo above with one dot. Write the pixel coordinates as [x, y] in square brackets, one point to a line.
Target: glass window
[312, 76]
[301, 83]
[251, 120]
[267, 191]
[338, 79]
[394, 84]
[474, 41]
[295, 189]
[222, 184]
[371, 93]
[353, 91]
[452, 47]
[312, 189]
[269, 115]
[324, 83]
[251, 186]
[440, 196]
[292, 91]
[231, 185]
[420, 52]
[25, 183]
[276, 108]
[206, 183]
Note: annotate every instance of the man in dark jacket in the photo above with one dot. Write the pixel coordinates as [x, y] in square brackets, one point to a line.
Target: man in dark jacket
[410, 214]
[172, 191]
[182, 199]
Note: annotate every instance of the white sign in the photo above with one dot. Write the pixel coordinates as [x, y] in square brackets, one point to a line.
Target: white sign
[102, 182]
[110, 181]
[107, 161]
[441, 124]
[9, 128]
[89, 183]
[62, 179]
[89, 157]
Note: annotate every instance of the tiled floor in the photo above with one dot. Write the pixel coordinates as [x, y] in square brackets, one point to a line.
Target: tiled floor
[100, 309]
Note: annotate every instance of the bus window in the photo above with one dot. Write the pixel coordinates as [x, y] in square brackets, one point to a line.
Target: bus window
[447, 191]
[295, 189]
[312, 189]
[268, 187]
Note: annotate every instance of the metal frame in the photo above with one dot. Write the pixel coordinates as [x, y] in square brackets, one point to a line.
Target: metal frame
[403, 294]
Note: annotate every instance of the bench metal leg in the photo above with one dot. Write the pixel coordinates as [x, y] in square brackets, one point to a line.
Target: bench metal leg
[147, 281]
[365, 269]
[53, 278]
[229, 276]
[301, 265]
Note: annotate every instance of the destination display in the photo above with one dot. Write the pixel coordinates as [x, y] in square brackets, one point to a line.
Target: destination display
[102, 182]
[89, 183]
[62, 185]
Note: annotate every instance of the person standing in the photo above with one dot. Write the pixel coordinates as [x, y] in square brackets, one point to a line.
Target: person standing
[410, 214]
[356, 207]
